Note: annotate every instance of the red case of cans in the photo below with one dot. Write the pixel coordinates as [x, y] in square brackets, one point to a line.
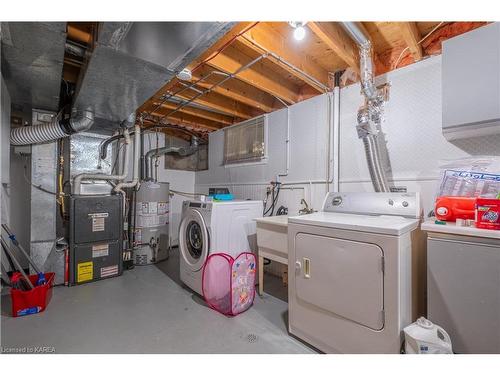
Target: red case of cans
[488, 213]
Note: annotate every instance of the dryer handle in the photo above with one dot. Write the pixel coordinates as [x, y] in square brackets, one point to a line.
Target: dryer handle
[305, 265]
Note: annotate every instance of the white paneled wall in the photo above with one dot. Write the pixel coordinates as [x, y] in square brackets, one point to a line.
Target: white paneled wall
[412, 128]
[309, 130]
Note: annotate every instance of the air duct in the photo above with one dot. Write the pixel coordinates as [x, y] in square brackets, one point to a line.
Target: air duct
[128, 62]
[181, 151]
[370, 114]
[58, 128]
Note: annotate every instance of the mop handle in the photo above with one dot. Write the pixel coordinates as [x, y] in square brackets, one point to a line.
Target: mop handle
[18, 245]
[18, 266]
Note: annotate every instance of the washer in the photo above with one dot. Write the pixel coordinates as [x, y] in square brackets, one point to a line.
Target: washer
[350, 270]
[214, 227]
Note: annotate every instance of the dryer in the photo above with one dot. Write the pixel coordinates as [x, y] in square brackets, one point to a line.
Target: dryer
[215, 227]
[350, 270]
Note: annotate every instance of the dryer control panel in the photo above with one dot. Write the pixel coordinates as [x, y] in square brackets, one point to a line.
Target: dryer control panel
[362, 203]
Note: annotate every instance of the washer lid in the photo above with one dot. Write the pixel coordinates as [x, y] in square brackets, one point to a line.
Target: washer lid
[383, 224]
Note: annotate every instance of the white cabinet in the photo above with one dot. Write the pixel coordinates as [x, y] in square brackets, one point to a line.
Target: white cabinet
[471, 83]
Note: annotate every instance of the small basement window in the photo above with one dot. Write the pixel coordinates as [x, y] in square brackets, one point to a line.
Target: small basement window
[246, 142]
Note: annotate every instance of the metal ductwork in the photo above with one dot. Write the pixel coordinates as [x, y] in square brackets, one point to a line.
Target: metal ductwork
[32, 61]
[370, 114]
[130, 61]
[58, 128]
[181, 151]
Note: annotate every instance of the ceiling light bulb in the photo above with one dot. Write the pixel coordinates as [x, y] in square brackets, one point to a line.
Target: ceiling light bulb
[299, 33]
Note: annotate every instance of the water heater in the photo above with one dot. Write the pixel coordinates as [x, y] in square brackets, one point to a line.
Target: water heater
[151, 219]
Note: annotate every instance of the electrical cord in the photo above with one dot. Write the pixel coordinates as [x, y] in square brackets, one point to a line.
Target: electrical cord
[275, 194]
[39, 187]
[282, 210]
[420, 41]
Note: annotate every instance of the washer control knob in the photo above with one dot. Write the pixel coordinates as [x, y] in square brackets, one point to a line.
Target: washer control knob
[337, 201]
[391, 202]
[405, 204]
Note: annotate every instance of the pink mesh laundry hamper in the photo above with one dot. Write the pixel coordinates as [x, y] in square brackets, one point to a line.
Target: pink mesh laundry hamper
[228, 284]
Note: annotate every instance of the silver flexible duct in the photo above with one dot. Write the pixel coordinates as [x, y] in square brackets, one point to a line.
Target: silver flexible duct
[181, 151]
[370, 114]
[79, 121]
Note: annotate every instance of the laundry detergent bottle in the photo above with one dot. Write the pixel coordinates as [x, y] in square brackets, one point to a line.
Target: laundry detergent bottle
[425, 337]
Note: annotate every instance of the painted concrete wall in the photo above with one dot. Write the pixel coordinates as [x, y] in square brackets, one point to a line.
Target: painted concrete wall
[412, 128]
[309, 128]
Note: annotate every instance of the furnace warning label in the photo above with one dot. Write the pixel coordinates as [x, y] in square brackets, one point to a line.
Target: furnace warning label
[109, 271]
[84, 272]
[98, 221]
[100, 251]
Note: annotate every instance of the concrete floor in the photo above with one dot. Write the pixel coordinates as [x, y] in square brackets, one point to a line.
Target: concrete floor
[148, 310]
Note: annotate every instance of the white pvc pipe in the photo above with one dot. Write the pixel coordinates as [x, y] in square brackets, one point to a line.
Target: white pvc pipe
[336, 139]
[287, 145]
[77, 182]
[137, 147]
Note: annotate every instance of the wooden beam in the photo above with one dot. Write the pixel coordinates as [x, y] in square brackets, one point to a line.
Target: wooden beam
[222, 104]
[258, 75]
[263, 38]
[188, 120]
[236, 30]
[198, 112]
[237, 90]
[177, 132]
[334, 36]
[411, 36]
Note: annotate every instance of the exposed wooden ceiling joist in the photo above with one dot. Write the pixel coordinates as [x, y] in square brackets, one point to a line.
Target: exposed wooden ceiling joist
[328, 48]
[186, 119]
[207, 115]
[222, 104]
[258, 75]
[237, 90]
[411, 35]
[264, 38]
[334, 36]
[233, 33]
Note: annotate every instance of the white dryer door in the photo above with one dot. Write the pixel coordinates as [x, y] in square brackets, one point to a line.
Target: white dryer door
[193, 239]
[341, 277]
